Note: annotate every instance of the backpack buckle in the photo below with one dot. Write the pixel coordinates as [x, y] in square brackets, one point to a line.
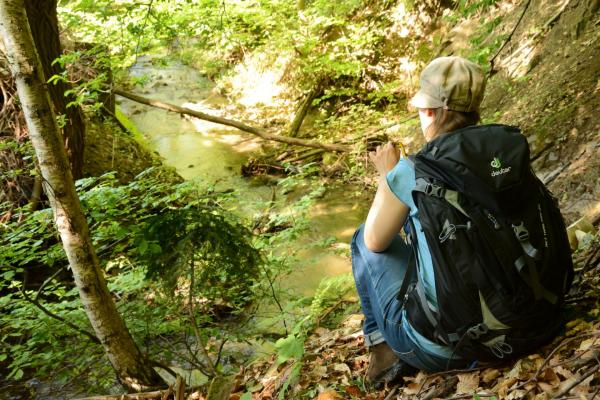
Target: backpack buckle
[475, 332]
[521, 232]
[435, 190]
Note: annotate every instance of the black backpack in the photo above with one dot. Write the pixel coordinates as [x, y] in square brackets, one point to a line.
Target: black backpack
[498, 242]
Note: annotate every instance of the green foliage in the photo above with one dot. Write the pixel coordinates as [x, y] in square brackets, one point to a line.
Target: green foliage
[469, 7]
[206, 240]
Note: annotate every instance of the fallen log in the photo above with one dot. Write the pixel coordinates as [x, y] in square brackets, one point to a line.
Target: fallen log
[236, 124]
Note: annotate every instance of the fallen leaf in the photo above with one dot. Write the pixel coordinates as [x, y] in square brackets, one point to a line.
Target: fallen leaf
[586, 344]
[318, 371]
[411, 389]
[353, 391]
[489, 375]
[562, 371]
[328, 395]
[341, 367]
[583, 389]
[467, 383]
[546, 387]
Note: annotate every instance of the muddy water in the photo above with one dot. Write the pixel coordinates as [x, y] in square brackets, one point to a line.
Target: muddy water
[214, 153]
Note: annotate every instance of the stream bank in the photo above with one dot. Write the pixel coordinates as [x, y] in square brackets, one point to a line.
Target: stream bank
[213, 154]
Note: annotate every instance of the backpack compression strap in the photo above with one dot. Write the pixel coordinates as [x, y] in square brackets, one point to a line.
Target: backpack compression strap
[528, 259]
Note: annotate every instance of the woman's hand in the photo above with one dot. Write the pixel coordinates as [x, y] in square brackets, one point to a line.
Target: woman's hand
[384, 158]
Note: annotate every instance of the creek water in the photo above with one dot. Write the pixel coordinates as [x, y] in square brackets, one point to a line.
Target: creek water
[214, 153]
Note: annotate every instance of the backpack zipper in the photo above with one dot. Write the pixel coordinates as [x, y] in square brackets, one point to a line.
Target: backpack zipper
[449, 230]
[492, 219]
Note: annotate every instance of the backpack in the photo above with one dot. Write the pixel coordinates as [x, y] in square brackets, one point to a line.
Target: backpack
[498, 243]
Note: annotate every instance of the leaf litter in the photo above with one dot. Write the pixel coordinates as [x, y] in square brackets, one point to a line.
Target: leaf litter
[335, 362]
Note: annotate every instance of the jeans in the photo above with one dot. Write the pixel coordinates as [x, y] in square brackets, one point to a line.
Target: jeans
[378, 277]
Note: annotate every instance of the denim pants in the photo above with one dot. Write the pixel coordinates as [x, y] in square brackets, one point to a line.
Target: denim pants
[378, 277]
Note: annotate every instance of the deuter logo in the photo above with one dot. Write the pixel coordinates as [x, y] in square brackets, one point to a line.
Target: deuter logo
[501, 171]
[498, 165]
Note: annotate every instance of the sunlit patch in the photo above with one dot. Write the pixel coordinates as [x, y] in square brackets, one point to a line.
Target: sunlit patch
[259, 85]
[518, 63]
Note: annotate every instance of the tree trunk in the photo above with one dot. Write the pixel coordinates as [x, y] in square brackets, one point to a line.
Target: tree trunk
[44, 27]
[132, 367]
[302, 111]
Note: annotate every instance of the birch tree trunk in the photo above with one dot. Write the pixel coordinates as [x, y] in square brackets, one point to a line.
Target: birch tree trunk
[131, 366]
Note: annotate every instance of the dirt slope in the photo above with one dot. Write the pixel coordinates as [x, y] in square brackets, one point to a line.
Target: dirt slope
[548, 84]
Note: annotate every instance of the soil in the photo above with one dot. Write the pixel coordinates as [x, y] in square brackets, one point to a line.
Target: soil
[110, 148]
[550, 89]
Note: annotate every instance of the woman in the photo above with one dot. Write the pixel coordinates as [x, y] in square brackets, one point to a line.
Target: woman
[449, 98]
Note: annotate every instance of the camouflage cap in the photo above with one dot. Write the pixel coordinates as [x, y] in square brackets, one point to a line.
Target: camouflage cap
[452, 83]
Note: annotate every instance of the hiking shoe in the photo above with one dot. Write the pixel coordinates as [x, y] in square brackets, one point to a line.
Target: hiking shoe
[385, 366]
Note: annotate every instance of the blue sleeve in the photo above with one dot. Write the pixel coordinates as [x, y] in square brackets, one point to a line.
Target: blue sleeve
[401, 180]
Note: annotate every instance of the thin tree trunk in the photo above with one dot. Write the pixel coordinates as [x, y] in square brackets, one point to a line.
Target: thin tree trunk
[131, 366]
[236, 124]
[302, 111]
[43, 21]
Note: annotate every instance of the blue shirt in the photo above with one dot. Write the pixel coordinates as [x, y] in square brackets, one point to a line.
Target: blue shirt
[401, 180]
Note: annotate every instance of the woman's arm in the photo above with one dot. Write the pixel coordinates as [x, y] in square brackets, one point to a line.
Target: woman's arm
[387, 214]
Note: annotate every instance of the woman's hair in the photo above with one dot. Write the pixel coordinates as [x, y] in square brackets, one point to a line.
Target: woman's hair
[445, 121]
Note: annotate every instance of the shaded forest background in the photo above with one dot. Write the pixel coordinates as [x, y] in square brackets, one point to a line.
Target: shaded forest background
[188, 273]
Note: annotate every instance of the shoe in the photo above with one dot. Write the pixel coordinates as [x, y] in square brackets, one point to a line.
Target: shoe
[385, 366]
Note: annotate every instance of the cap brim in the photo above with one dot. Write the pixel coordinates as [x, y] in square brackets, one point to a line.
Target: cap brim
[423, 100]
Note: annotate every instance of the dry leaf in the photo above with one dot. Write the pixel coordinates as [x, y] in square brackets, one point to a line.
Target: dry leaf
[562, 371]
[328, 395]
[586, 344]
[549, 376]
[516, 395]
[341, 367]
[583, 389]
[467, 383]
[353, 390]
[546, 387]
[411, 389]
[490, 374]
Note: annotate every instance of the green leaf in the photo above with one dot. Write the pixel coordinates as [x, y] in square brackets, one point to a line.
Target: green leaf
[289, 347]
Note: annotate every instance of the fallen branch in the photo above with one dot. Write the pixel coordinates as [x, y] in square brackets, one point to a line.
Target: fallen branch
[576, 381]
[552, 353]
[157, 394]
[229, 122]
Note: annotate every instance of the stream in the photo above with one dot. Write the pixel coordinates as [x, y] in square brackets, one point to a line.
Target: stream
[214, 153]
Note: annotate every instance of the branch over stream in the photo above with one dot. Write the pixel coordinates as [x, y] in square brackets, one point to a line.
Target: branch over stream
[236, 124]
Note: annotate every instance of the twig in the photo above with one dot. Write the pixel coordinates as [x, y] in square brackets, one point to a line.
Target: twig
[199, 342]
[441, 389]
[131, 396]
[508, 39]
[552, 353]
[472, 395]
[554, 174]
[37, 295]
[576, 382]
[137, 45]
[179, 388]
[449, 372]
[49, 313]
[588, 262]
[220, 352]
[332, 308]
[392, 392]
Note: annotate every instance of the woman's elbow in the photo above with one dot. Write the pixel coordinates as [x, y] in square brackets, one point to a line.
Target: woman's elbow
[375, 244]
